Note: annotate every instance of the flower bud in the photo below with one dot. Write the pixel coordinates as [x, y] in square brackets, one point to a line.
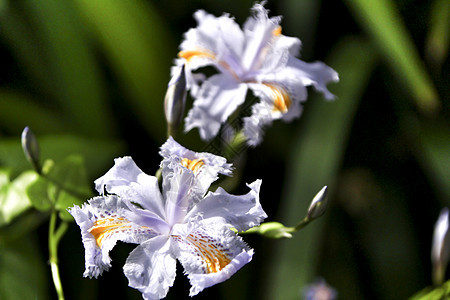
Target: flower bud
[318, 204]
[30, 147]
[274, 230]
[174, 101]
[440, 247]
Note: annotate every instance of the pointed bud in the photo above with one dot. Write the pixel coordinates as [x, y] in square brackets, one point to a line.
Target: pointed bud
[440, 248]
[30, 147]
[318, 204]
[175, 99]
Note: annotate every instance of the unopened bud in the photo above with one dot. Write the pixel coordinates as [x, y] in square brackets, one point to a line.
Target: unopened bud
[274, 230]
[30, 147]
[440, 248]
[174, 101]
[318, 204]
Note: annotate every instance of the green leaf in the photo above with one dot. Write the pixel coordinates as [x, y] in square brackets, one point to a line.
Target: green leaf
[71, 63]
[17, 35]
[61, 186]
[4, 177]
[22, 271]
[314, 162]
[383, 22]
[437, 293]
[438, 36]
[301, 19]
[68, 185]
[70, 175]
[19, 109]
[135, 42]
[13, 198]
[435, 142]
[37, 192]
[97, 153]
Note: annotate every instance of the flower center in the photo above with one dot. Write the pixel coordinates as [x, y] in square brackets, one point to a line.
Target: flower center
[281, 99]
[193, 165]
[103, 228]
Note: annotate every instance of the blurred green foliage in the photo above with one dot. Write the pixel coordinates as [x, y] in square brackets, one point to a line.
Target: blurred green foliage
[89, 78]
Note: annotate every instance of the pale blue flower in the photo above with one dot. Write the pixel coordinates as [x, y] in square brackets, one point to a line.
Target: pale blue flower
[180, 223]
[257, 57]
[319, 290]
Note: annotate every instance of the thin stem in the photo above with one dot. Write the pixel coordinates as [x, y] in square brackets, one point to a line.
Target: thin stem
[438, 274]
[302, 224]
[53, 240]
[171, 130]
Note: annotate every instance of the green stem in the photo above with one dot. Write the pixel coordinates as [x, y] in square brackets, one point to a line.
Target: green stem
[235, 145]
[54, 236]
[438, 274]
[171, 130]
[276, 229]
[302, 224]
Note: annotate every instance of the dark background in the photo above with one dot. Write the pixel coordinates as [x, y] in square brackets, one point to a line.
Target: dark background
[98, 70]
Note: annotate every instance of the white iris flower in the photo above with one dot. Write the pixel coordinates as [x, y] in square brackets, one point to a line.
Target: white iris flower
[180, 223]
[257, 57]
[206, 166]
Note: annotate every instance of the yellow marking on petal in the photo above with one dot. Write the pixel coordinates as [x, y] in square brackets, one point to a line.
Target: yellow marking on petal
[213, 257]
[277, 31]
[193, 165]
[190, 54]
[281, 99]
[105, 227]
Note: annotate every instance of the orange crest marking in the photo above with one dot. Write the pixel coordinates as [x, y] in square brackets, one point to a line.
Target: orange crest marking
[277, 31]
[214, 258]
[193, 165]
[190, 54]
[281, 99]
[105, 227]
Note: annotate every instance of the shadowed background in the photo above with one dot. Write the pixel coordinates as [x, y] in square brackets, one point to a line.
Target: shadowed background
[89, 78]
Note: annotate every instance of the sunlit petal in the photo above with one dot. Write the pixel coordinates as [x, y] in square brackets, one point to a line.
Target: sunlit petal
[151, 268]
[219, 97]
[209, 255]
[102, 224]
[206, 166]
[126, 180]
[240, 211]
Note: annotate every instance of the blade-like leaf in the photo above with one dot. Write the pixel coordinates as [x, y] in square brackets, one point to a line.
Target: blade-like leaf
[383, 22]
[438, 36]
[18, 110]
[135, 43]
[435, 142]
[314, 162]
[71, 63]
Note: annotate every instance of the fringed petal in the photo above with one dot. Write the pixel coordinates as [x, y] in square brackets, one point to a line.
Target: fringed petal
[209, 254]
